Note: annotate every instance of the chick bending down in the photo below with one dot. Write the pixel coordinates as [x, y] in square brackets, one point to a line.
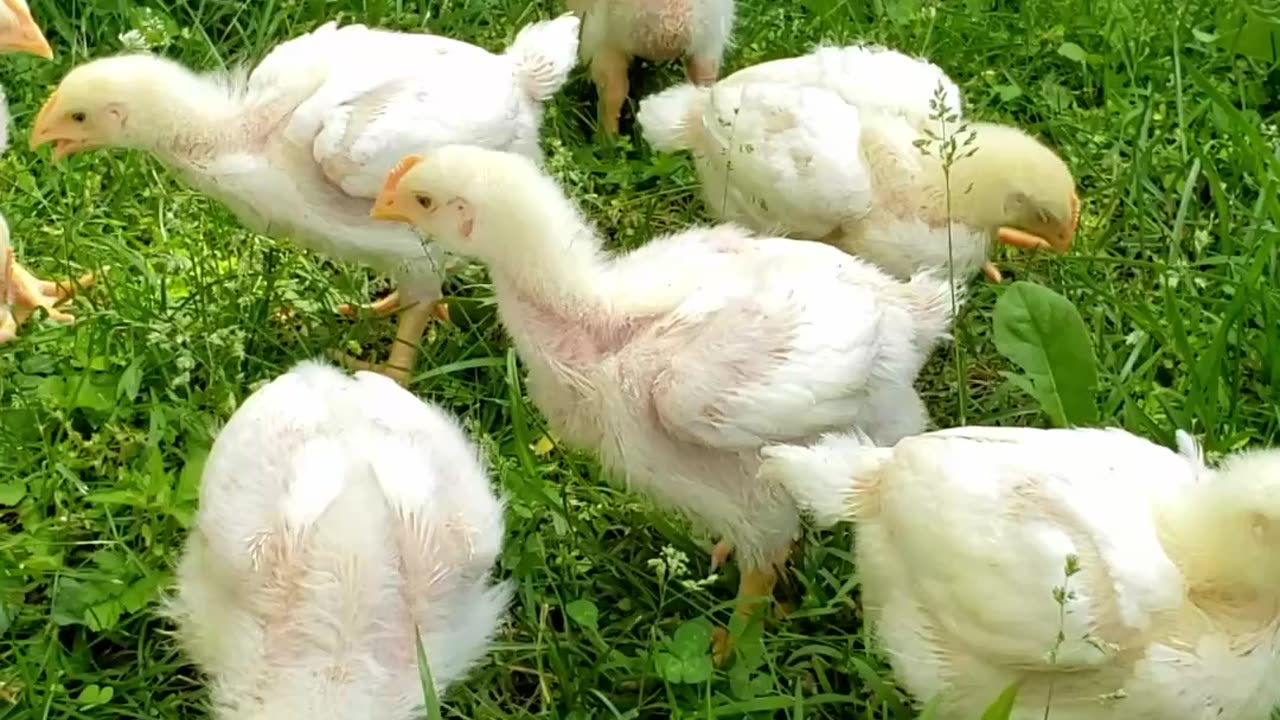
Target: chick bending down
[1113, 578]
[678, 361]
[340, 518]
[615, 31]
[803, 161]
[298, 147]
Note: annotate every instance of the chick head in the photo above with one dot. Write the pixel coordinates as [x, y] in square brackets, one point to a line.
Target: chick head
[105, 103]
[1241, 504]
[467, 198]
[19, 32]
[1021, 187]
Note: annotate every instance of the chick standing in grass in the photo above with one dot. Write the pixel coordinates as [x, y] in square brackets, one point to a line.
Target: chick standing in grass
[615, 31]
[677, 361]
[801, 159]
[339, 518]
[299, 147]
[1169, 570]
[21, 293]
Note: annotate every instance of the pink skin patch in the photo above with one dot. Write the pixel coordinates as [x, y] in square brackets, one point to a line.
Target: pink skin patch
[466, 216]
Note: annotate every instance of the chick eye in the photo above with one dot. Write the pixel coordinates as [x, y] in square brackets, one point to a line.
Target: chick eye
[425, 201]
[77, 117]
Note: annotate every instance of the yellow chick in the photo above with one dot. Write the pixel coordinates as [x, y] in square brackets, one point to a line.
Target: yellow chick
[804, 162]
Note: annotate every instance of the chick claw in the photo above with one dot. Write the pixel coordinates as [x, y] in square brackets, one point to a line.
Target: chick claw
[30, 292]
[992, 272]
[390, 304]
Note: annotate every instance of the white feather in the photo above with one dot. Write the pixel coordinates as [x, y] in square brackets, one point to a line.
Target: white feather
[338, 517]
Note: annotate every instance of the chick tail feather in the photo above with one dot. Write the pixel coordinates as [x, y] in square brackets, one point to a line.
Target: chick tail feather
[671, 120]
[835, 479]
[544, 53]
[934, 300]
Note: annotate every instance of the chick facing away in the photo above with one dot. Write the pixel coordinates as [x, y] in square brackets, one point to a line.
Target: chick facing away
[339, 519]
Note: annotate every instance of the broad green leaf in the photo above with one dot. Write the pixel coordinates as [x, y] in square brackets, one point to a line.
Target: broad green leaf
[1002, 708]
[1041, 332]
[1073, 52]
[692, 639]
[667, 667]
[583, 612]
[12, 492]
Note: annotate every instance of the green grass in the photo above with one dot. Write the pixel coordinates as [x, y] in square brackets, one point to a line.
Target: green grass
[1165, 112]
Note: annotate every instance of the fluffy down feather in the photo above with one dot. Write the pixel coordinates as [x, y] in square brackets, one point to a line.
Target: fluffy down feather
[868, 77]
[964, 534]
[337, 515]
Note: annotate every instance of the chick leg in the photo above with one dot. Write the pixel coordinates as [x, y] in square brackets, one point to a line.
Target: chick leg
[755, 587]
[702, 70]
[609, 71]
[404, 348]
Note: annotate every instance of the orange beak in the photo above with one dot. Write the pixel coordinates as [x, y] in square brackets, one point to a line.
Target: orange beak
[389, 204]
[25, 36]
[1028, 241]
[43, 131]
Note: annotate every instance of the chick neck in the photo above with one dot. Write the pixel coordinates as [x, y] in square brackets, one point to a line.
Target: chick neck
[545, 251]
[171, 109]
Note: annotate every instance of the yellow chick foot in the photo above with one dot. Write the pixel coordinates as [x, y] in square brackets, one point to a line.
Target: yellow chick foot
[403, 357]
[23, 293]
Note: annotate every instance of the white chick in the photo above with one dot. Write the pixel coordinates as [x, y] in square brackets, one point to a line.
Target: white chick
[1169, 606]
[868, 77]
[298, 147]
[676, 362]
[799, 160]
[615, 31]
[339, 518]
